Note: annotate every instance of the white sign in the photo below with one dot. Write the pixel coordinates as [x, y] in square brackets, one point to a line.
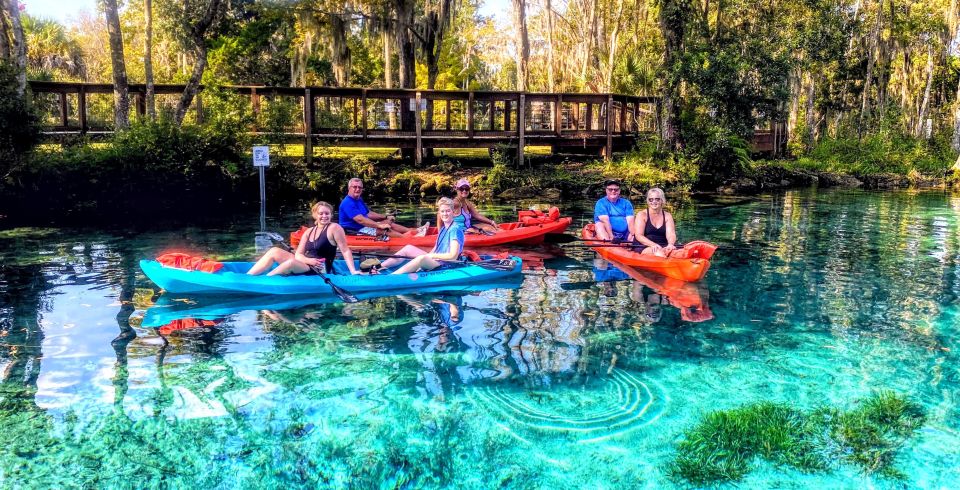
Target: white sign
[389, 107]
[261, 156]
[413, 104]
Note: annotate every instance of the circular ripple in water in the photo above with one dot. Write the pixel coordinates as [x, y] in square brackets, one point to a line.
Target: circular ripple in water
[617, 404]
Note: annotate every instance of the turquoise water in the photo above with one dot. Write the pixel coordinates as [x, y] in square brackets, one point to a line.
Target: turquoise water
[815, 298]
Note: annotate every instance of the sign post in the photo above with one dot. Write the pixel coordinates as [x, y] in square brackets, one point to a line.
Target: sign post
[261, 160]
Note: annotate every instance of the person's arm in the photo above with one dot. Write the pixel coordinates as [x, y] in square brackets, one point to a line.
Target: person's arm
[340, 238]
[302, 246]
[671, 233]
[365, 221]
[377, 216]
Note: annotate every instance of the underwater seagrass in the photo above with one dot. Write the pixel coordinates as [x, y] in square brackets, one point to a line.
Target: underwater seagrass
[720, 448]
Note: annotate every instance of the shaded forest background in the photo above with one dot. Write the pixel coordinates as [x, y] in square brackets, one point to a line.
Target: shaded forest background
[863, 86]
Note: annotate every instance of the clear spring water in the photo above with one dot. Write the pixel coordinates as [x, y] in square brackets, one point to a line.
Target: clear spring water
[817, 297]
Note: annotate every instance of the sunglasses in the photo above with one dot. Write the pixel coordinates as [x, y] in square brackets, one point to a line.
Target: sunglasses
[654, 199]
[462, 189]
[613, 189]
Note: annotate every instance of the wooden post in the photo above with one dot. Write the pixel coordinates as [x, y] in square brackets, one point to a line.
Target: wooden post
[589, 125]
[470, 115]
[608, 153]
[507, 107]
[355, 110]
[557, 116]
[308, 125]
[576, 116]
[636, 116]
[448, 114]
[521, 126]
[363, 115]
[417, 119]
[490, 111]
[82, 108]
[63, 109]
[623, 116]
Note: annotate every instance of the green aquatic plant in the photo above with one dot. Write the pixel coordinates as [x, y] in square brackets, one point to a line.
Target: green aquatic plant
[723, 445]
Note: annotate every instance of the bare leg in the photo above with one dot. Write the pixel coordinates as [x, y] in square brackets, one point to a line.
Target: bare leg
[291, 266]
[485, 227]
[420, 263]
[408, 251]
[273, 255]
[603, 230]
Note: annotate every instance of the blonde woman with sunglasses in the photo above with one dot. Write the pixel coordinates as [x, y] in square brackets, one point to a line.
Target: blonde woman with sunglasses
[655, 231]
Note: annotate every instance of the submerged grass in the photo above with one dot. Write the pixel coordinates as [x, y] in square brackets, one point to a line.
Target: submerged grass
[723, 445]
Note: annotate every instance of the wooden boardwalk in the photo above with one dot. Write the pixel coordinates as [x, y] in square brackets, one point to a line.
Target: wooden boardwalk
[387, 118]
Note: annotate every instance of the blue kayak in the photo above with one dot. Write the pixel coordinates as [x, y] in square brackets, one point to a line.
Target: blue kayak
[232, 278]
[210, 307]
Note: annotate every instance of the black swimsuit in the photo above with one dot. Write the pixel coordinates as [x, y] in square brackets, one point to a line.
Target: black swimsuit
[652, 233]
[321, 248]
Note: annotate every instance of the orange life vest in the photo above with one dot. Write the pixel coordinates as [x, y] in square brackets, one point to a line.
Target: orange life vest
[189, 262]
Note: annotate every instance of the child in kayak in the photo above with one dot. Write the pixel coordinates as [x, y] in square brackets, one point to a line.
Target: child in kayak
[316, 250]
[447, 248]
[656, 232]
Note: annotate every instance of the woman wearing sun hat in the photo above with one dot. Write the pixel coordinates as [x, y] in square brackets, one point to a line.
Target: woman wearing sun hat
[463, 209]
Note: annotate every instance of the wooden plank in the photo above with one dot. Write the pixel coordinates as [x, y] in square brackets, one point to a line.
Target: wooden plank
[589, 125]
[623, 117]
[521, 126]
[308, 125]
[416, 113]
[355, 111]
[490, 110]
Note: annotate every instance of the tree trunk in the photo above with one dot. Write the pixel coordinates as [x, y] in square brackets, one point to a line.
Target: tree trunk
[925, 104]
[339, 50]
[199, 31]
[407, 61]
[121, 95]
[956, 121]
[551, 81]
[19, 45]
[810, 133]
[673, 22]
[148, 59]
[588, 52]
[5, 53]
[388, 74]
[611, 58]
[868, 79]
[523, 44]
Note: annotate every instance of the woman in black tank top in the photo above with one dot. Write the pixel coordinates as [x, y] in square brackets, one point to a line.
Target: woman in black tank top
[316, 250]
[657, 231]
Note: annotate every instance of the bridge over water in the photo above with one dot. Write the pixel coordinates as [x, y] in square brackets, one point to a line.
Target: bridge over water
[397, 118]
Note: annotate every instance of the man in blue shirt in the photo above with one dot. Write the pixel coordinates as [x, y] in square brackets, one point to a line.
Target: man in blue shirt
[613, 215]
[357, 219]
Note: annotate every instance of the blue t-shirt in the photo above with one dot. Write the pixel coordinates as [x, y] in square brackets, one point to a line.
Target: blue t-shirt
[618, 212]
[350, 208]
[446, 235]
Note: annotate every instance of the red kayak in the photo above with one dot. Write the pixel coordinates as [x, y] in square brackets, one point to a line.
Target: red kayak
[525, 232]
[689, 269]
[690, 298]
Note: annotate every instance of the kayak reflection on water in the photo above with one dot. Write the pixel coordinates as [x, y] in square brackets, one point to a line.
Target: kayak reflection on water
[652, 291]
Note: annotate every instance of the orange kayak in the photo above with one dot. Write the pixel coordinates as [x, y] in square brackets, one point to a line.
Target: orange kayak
[686, 269]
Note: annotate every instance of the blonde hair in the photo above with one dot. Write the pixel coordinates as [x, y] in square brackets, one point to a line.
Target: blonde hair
[444, 201]
[320, 204]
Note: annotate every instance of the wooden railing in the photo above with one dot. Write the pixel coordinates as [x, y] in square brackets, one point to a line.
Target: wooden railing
[393, 118]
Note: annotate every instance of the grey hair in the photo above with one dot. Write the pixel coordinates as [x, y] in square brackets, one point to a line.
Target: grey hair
[658, 191]
[355, 179]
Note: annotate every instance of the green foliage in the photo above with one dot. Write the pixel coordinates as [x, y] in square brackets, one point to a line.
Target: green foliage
[719, 152]
[646, 167]
[885, 152]
[722, 446]
[19, 129]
